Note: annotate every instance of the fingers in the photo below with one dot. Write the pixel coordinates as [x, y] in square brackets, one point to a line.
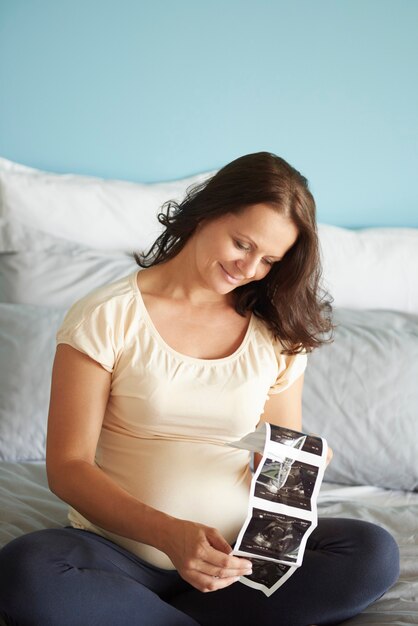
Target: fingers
[330, 453]
[206, 584]
[213, 570]
[216, 540]
[220, 565]
[225, 572]
[217, 559]
[206, 577]
[203, 557]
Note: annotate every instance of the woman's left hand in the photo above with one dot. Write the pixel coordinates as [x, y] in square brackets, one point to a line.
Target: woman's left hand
[330, 454]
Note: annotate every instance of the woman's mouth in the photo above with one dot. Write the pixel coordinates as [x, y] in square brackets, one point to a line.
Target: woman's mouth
[231, 279]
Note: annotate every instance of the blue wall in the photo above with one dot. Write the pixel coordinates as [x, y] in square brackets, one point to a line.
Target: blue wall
[154, 90]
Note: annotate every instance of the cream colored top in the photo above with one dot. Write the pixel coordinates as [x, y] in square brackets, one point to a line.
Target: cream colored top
[169, 415]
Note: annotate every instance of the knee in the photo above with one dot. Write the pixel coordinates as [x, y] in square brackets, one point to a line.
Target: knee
[378, 554]
[22, 569]
[369, 554]
[11, 570]
[17, 561]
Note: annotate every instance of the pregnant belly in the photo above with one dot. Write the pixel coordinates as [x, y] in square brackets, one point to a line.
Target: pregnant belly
[201, 482]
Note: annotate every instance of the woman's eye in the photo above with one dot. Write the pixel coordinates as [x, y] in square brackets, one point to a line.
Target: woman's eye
[242, 246]
[268, 262]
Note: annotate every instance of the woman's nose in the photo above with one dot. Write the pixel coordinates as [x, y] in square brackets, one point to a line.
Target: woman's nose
[248, 266]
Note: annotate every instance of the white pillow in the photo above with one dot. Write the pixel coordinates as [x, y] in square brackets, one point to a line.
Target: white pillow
[369, 268]
[11, 166]
[373, 268]
[101, 214]
[55, 272]
[27, 348]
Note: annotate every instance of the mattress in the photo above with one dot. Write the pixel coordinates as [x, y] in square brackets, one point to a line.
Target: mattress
[26, 504]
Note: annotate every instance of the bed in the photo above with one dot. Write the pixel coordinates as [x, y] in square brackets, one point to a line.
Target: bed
[63, 235]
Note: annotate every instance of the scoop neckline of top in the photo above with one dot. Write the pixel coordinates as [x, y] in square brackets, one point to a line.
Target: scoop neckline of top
[180, 355]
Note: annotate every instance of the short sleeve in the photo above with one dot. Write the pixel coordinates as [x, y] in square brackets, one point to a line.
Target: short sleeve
[90, 327]
[290, 368]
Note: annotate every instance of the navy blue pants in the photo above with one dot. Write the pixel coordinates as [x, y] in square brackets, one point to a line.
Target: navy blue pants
[70, 577]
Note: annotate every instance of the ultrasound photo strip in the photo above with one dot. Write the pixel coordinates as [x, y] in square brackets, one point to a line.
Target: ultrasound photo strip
[282, 510]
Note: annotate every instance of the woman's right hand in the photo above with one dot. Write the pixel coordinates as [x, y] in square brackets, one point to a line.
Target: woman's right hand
[202, 556]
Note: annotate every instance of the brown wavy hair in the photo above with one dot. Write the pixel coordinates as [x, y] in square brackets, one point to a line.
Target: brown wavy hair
[289, 299]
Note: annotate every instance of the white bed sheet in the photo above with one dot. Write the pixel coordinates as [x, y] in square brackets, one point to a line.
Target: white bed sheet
[26, 504]
[397, 511]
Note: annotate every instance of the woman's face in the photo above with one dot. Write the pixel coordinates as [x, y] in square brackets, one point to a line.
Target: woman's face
[237, 249]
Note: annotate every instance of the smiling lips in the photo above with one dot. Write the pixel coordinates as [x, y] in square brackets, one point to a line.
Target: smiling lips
[229, 278]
